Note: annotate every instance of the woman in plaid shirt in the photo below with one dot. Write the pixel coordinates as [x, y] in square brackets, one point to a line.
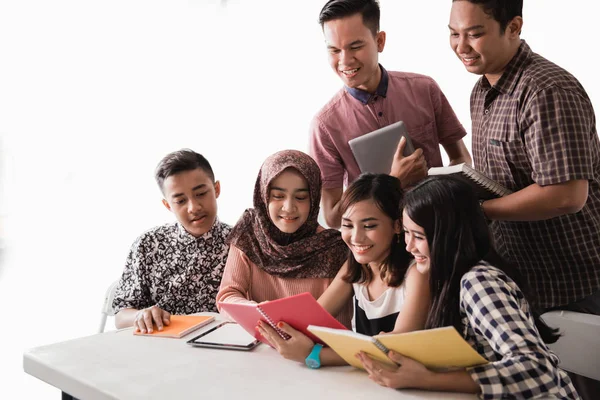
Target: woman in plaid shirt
[478, 293]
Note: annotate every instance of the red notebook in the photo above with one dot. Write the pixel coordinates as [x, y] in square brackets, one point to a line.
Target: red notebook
[298, 311]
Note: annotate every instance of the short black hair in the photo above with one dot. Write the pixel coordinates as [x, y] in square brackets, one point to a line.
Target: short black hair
[502, 11]
[180, 161]
[336, 9]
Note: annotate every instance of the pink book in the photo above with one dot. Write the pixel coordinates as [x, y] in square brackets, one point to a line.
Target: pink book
[298, 311]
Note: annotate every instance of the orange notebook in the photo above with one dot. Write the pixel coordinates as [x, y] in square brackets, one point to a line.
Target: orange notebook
[180, 326]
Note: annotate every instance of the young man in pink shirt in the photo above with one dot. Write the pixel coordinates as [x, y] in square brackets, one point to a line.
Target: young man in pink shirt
[371, 99]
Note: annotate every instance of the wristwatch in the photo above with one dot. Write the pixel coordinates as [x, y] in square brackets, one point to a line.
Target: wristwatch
[314, 358]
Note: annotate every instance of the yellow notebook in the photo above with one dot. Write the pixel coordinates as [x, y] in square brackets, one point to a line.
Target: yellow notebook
[438, 348]
[180, 326]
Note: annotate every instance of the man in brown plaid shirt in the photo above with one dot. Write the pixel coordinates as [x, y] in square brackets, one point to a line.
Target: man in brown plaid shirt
[534, 131]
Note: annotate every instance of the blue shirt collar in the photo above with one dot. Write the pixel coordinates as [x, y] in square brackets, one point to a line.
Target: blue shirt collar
[364, 96]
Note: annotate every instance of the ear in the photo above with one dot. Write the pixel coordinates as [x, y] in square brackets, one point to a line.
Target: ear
[380, 38]
[397, 226]
[513, 29]
[166, 204]
[217, 189]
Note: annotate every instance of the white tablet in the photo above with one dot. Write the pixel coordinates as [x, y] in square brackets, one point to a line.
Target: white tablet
[226, 335]
[374, 151]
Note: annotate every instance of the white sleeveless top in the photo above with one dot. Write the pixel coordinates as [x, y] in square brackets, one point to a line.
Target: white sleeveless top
[379, 315]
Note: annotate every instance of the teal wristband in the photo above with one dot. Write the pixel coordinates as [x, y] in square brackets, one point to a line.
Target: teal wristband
[314, 358]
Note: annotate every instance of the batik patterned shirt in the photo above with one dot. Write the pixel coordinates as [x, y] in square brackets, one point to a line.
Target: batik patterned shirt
[174, 270]
[498, 324]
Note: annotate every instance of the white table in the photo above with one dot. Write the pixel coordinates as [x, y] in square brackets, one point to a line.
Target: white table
[119, 365]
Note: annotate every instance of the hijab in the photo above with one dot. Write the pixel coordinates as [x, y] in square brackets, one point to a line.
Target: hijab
[301, 254]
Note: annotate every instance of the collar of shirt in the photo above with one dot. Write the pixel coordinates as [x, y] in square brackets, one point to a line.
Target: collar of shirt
[510, 77]
[364, 96]
[186, 238]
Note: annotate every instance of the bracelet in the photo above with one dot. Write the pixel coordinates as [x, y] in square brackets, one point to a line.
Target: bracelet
[482, 210]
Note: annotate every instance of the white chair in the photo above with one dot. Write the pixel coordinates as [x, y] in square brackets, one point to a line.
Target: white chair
[107, 310]
[579, 346]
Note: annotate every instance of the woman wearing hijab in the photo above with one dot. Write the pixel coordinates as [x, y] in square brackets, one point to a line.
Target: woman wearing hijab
[278, 249]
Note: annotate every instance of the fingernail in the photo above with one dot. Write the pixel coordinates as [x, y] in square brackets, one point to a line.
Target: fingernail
[280, 324]
[259, 323]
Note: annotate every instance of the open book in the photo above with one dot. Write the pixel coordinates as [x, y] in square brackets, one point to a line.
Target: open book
[439, 348]
[180, 326]
[484, 187]
[298, 311]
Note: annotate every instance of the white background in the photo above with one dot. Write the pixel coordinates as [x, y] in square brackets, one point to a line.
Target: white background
[94, 93]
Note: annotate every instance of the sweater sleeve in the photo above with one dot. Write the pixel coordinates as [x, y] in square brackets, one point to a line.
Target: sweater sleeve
[236, 284]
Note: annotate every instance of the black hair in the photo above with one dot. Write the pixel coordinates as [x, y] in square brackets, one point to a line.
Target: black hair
[459, 238]
[180, 161]
[502, 11]
[385, 191]
[336, 9]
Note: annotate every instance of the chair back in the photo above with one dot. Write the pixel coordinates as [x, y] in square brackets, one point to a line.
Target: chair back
[107, 310]
[579, 346]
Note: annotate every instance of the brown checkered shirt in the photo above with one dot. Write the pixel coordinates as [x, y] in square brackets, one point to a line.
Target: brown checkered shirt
[537, 125]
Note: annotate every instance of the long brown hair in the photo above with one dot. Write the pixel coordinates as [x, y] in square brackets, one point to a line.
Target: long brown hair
[459, 239]
[385, 191]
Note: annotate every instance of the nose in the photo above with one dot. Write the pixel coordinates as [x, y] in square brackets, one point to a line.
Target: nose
[194, 206]
[410, 242]
[357, 235]
[462, 45]
[288, 204]
[345, 59]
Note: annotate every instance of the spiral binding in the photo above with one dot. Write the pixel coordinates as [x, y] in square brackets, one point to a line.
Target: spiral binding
[486, 182]
[281, 333]
[380, 346]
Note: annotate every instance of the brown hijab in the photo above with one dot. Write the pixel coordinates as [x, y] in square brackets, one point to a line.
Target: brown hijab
[302, 254]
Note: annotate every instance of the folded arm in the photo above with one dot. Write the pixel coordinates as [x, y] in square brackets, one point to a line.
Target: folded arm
[536, 203]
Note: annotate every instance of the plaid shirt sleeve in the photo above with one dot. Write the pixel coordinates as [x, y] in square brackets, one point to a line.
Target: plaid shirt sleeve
[499, 317]
[132, 291]
[558, 126]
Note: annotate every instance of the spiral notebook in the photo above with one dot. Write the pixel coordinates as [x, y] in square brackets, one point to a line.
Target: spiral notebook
[440, 348]
[484, 187]
[298, 311]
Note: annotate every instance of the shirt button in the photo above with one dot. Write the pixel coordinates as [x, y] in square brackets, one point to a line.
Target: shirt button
[380, 114]
[487, 111]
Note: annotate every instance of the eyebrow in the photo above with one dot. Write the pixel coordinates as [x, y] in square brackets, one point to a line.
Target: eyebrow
[200, 186]
[362, 220]
[413, 231]
[285, 190]
[470, 28]
[359, 41]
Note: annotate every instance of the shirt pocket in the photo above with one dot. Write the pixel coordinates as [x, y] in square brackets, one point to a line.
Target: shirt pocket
[508, 163]
[424, 137]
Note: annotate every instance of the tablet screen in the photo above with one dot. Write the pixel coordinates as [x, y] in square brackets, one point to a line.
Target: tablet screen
[225, 334]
